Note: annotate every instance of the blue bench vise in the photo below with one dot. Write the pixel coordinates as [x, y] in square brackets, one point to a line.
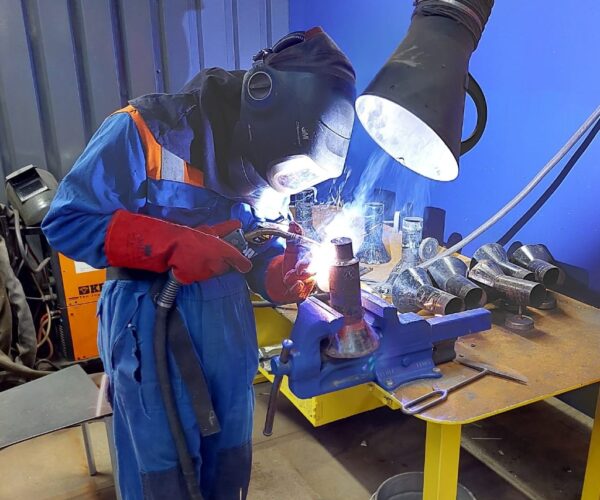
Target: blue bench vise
[359, 338]
[405, 351]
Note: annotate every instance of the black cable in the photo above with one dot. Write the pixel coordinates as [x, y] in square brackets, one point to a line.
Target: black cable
[9, 365]
[526, 217]
[165, 302]
[40, 361]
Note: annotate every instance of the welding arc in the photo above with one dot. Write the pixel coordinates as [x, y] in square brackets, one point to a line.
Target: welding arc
[522, 194]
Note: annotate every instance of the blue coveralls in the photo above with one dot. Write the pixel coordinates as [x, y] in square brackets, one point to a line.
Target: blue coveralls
[111, 174]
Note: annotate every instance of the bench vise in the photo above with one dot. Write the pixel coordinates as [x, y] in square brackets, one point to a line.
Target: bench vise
[359, 338]
[405, 351]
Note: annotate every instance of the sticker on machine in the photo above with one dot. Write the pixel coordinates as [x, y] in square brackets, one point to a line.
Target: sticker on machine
[82, 267]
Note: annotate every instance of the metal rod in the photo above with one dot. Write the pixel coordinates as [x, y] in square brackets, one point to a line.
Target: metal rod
[284, 357]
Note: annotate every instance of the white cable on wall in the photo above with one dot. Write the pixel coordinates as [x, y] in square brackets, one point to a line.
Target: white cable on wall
[522, 194]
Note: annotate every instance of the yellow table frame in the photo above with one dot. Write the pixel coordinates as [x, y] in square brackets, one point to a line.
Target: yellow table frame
[591, 482]
[442, 450]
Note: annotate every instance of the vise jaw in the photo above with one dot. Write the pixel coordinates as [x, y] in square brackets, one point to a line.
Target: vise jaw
[405, 352]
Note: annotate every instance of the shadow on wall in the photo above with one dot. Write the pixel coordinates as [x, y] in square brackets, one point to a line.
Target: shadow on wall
[577, 284]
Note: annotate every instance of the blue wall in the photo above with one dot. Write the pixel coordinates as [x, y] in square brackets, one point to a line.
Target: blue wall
[538, 65]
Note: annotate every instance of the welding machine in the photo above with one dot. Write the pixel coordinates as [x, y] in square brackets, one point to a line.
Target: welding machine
[69, 289]
[78, 287]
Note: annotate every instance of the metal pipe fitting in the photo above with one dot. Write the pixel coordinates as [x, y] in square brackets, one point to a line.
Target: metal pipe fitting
[489, 275]
[495, 252]
[450, 275]
[538, 259]
[356, 338]
[413, 290]
[372, 250]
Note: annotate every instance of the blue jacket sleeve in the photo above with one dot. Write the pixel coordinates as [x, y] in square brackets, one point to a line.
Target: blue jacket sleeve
[109, 175]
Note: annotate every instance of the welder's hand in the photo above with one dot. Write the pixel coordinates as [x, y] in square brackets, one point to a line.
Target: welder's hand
[141, 242]
[288, 278]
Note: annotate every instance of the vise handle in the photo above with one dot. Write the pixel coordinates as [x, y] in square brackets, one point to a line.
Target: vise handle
[436, 396]
[284, 357]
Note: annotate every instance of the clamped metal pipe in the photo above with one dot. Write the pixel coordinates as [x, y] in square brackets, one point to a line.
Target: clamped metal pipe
[284, 358]
[356, 338]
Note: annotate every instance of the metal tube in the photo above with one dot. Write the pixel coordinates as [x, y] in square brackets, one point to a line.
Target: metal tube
[449, 274]
[437, 301]
[372, 250]
[544, 272]
[472, 295]
[356, 338]
[344, 281]
[520, 291]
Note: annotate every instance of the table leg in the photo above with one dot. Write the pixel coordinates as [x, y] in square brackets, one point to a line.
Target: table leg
[89, 450]
[442, 450]
[108, 422]
[591, 483]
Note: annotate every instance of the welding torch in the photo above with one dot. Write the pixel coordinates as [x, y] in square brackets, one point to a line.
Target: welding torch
[267, 230]
[241, 240]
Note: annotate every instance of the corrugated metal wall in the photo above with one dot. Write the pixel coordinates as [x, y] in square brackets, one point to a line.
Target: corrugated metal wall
[66, 64]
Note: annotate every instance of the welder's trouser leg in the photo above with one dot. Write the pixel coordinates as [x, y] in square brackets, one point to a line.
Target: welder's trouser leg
[442, 451]
[591, 483]
[224, 337]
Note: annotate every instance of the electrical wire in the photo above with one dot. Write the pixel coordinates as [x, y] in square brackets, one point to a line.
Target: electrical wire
[43, 335]
[48, 362]
[522, 194]
[28, 258]
[45, 327]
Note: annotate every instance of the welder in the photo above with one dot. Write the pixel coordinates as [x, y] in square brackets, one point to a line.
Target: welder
[156, 190]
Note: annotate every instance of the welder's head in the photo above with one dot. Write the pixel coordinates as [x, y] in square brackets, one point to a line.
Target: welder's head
[297, 111]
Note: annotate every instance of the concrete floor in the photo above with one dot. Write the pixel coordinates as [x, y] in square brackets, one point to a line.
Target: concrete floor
[344, 460]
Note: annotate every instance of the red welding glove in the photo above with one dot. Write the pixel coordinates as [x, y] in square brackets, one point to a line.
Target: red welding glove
[288, 279]
[141, 242]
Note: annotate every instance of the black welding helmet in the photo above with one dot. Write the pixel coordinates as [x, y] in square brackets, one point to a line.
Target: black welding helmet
[297, 111]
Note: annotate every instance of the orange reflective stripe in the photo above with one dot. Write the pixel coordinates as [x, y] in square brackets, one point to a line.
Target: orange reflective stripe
[151, 147]
[193, 176]
[154, 155]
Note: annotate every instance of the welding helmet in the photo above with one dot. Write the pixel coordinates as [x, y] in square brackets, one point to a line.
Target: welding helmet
[297, 111]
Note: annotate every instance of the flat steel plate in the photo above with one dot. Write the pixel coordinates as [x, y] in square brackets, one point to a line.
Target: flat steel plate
[64, 399]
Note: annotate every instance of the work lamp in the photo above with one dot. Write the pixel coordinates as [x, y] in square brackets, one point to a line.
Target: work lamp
[414, 106]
